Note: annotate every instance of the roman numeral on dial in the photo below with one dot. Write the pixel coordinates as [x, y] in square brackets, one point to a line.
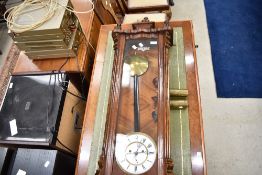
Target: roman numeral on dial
[143, 167]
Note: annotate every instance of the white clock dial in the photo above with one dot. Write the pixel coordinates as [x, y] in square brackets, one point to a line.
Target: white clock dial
[135, 153]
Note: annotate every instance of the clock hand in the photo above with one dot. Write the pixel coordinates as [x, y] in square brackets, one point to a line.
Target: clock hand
[141, 152]
[136, 104]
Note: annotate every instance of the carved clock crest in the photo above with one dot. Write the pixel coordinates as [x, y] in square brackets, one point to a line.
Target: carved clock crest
[137, 138]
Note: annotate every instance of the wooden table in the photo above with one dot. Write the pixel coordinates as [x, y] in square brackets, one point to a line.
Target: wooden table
[82, 63]
[25, 65]
[194, 109]
[90, 23]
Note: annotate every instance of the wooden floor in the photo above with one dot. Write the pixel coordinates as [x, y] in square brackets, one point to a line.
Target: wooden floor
[7, 68]
[5, 43]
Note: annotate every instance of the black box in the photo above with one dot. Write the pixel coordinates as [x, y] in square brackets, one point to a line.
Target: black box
[5, 158]
[41, 162]
[32, 108]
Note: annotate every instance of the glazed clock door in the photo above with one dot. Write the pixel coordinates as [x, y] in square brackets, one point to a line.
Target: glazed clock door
[136, 130]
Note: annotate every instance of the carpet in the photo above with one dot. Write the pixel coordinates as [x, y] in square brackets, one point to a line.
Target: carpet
[7, 69]
[235, 30]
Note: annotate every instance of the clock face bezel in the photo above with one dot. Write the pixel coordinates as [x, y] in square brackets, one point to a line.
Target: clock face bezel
[155, 154]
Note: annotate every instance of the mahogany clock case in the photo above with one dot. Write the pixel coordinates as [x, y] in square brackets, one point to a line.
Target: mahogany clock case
[148, 92]
[150, 99]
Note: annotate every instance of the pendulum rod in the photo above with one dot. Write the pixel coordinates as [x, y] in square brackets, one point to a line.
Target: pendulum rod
[136, 104]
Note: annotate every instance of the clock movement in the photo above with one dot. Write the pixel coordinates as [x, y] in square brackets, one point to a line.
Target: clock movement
[137, 135]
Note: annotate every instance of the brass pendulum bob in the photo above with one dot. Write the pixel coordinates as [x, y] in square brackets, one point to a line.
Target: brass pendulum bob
[138, 66]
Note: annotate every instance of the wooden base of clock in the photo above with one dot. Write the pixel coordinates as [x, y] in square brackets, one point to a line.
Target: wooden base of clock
[186, 98]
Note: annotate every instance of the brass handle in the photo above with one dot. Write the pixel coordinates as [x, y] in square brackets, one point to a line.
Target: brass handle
[178, 104]
[178, 92]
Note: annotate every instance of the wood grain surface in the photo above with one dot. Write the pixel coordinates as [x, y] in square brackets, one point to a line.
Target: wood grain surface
[78, 64]
[148, 91]
[90, 23]
[195, 118]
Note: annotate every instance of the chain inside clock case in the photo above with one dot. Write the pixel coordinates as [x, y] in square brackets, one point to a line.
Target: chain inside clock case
[137, 136]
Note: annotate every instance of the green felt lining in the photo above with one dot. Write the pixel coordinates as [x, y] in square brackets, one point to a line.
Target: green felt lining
[179, 122]
[99, 128]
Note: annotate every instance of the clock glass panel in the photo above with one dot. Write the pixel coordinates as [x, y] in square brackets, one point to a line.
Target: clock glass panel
[136, 131]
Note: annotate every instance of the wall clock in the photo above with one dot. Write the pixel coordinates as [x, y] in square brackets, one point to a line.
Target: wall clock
[137, 138]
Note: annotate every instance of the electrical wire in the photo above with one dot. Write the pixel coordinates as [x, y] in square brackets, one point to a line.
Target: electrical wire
[76, 104]
[65, 146]
[60, 68]
[50, 7]
[48, 108]
[31, 5]
[80, 97]
[24, 8]
[82, 79]
[61, 82]
[65, 89]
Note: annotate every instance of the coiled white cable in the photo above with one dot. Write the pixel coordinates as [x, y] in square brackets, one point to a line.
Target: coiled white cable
[50, 6]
